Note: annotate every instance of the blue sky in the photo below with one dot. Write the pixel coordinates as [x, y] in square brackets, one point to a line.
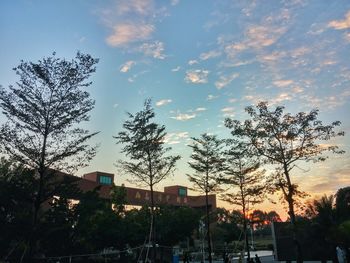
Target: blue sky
[199, 60]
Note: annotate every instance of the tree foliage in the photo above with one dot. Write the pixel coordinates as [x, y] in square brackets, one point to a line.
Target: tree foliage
[143, 142]
[244, 179]
[285, 140]
[148, 162]
[243, 176]
[207, 163]
[43, 111]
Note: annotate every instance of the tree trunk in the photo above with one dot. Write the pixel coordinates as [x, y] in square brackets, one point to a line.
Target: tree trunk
[246, 234]
[291, 213]
[153, 232]
[208, 226]
[38, 199]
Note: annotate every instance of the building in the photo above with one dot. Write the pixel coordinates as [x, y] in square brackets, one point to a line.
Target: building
[175, 195]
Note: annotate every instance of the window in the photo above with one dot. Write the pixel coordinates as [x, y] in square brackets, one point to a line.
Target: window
[182, 192]
[105, 180]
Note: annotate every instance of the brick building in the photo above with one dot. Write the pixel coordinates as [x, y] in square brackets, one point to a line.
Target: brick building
[175, 195]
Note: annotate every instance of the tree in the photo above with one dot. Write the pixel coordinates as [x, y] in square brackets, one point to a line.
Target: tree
[343, 204]
[176, 224]
[144, 145]
[16, 183]
[43, 112]
[273, 216]
[284, 140]
[207, 163]
[242, 171]
[226, 228]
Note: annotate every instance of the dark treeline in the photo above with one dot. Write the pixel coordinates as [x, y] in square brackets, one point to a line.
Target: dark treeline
[68, 227]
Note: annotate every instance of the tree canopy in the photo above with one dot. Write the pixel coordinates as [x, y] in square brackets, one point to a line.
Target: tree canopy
[285, 140]
[207, 163]
[43, 111]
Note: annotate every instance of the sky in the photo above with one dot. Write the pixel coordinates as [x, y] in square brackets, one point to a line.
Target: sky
[200, 61]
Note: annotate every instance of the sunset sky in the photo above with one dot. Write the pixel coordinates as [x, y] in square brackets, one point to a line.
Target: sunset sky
[200, 61]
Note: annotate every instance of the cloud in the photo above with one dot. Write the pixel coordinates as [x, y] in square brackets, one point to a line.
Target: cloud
[347, 37]
[283, 83]
[163, 102]
[176, 69]
[131, 21]
[299, 52]
[209, 55]
[297, 89]
[263, 36]
[127, 33]
[115, 105]
[232, 50]
[200, 109]
[228, 112]
[154, 49]
[330, 180]
[328, 62]
[140, 7]
[184, 116]
[197, 76]
[272, 57]
[280, 98]
[192, 62]
[174, 2]
[175, 138]
[127, 66]
[225, 80]
[341, 24]
[212, 97]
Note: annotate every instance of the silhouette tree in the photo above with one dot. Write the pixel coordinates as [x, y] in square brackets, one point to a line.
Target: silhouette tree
[42, 112]
[284, 140]
[343, 203]
[144, 145]
[207, 163]
[245, 180]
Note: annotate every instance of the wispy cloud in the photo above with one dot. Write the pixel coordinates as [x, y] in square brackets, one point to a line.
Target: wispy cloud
[131, 23]
[175, 2]
[283, 83]
[154, 49]
[263, 36]
[124, 34]
[341, 24]
[163, 102]
[209, 55]
[184, 116]
[347, 37]
[127, 66]
[281, 98]
[200, 109]
[176, 69]
[212, 97]
[297, 89]
[228, 112]
[141, 7]
[192, 62]
[197, 76]
[225, 80]
[176, 138]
